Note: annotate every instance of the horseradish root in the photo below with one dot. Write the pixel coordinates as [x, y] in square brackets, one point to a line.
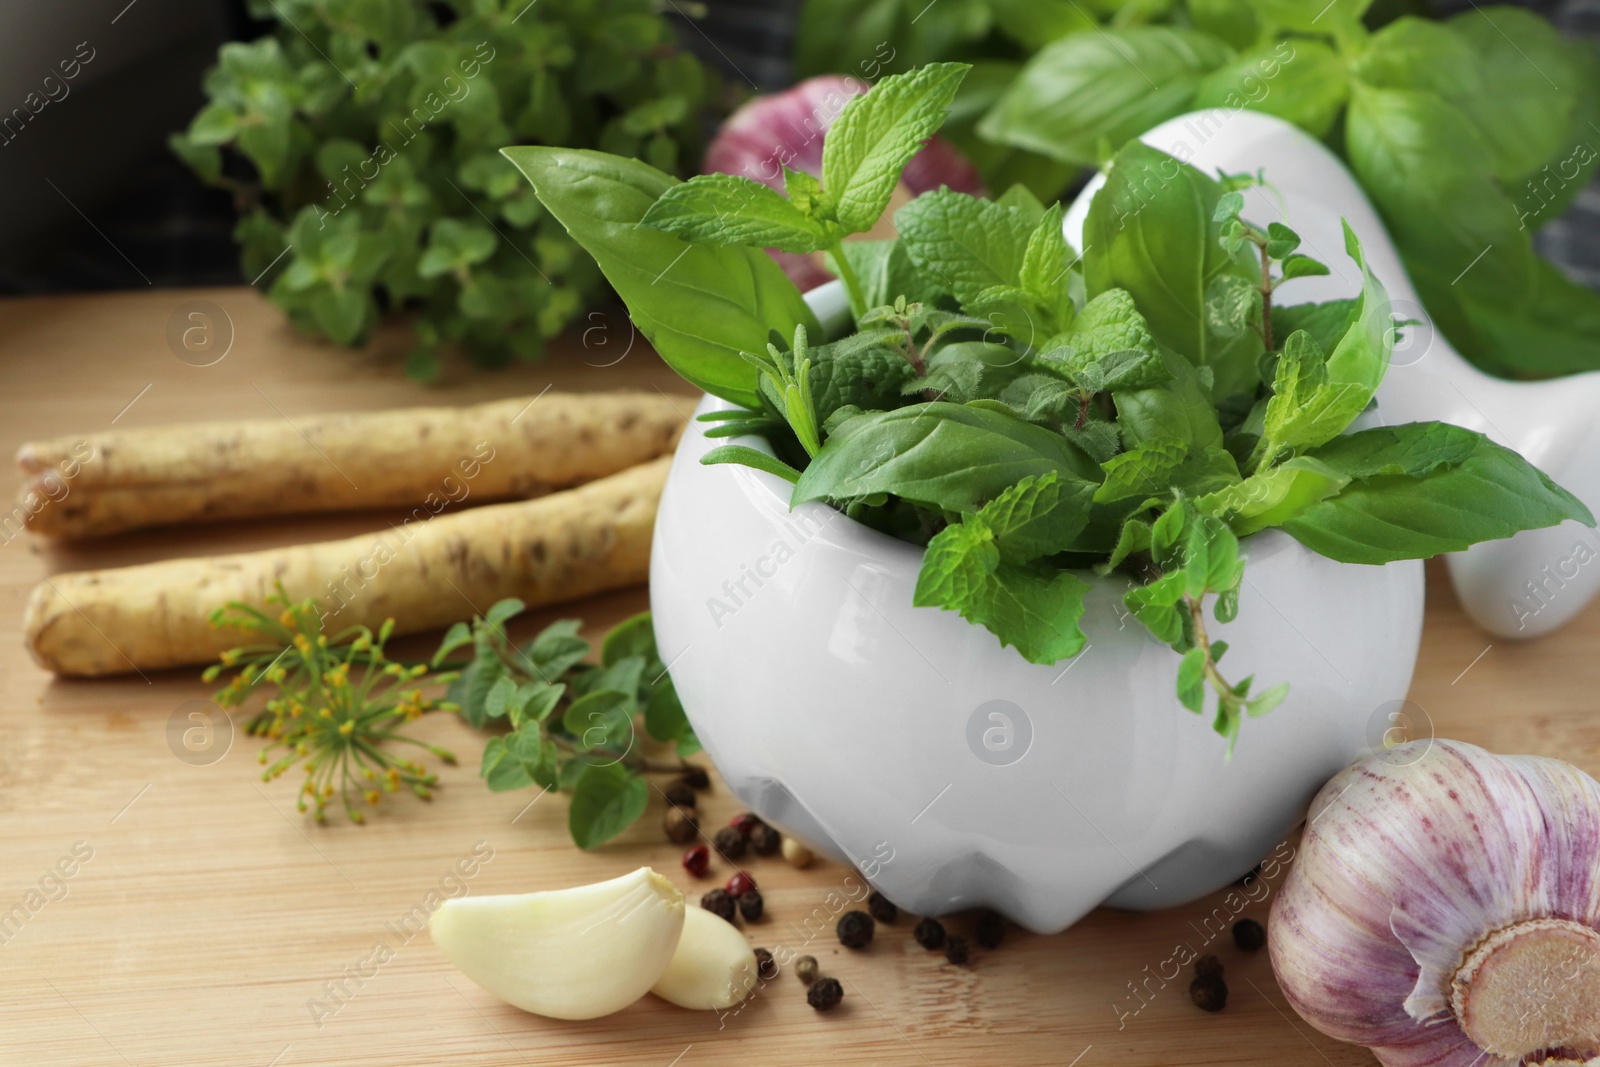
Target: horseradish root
[425, 458]
[713, 968]
[1445, 910]
[425, 575]
[569, 953]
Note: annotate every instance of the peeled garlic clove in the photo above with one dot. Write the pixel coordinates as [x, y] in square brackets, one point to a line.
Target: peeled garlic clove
[714, 967]
[1444, 909]
[568, 953]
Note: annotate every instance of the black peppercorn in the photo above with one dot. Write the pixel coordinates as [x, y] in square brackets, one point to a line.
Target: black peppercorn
[696, 778]
[680, 794]
[1208, 967]
[825, 994]
[805, 969]
[718, 902]
[751, 905]
[955, 950]
[729, 842]
[929, 934]
[1249, 935]
[882, 908]
[854, 929]
[766, 966]
[681, 826]
[765, 840]
[990, 931]
[1209, 993]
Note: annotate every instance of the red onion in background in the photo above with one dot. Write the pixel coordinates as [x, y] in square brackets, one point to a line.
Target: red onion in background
[786, 130]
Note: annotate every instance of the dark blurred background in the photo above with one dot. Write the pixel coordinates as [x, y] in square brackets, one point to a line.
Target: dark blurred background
[90, 197]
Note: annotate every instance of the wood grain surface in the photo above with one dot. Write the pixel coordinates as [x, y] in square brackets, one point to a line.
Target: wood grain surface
[212, 924]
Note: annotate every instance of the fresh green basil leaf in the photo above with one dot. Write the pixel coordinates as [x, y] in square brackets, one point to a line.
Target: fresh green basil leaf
[1414, 153]
[1415, 449]
[1152, 230]
[698, 305]
[606, 800]
[723, 209]
[1493, 494]
[1325, 322]
[956, 457]
[1088, 93]
[1361, 358]
[876, 135]
[1554, 332]
[1233, 21]
[1180, 408]
[1532, 87]
[1300, 80]
[1035, 23]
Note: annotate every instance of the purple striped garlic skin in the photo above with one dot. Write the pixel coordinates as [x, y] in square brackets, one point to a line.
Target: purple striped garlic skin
[1410, 860]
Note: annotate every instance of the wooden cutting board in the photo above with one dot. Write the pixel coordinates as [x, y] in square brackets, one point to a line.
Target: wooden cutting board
[206, 922]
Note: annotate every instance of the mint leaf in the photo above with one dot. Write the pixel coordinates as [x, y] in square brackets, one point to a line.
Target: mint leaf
[876, 135]
[1141, 471]
[957, 566]
[1192, 680]
[967, 244]
[1043, 274]
[1034, 610]
[1273, 496]
[606, 800]
[1109, 346]
[723, 209]
[1037, 517]
[1307, 407]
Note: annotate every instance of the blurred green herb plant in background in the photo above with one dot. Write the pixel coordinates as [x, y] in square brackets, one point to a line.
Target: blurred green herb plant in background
[361, 142]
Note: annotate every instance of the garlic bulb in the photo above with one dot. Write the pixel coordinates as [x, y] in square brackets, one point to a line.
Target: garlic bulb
[1445, 910]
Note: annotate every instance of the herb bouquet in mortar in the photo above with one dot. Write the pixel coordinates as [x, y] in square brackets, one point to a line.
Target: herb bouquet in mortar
[916, 564]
